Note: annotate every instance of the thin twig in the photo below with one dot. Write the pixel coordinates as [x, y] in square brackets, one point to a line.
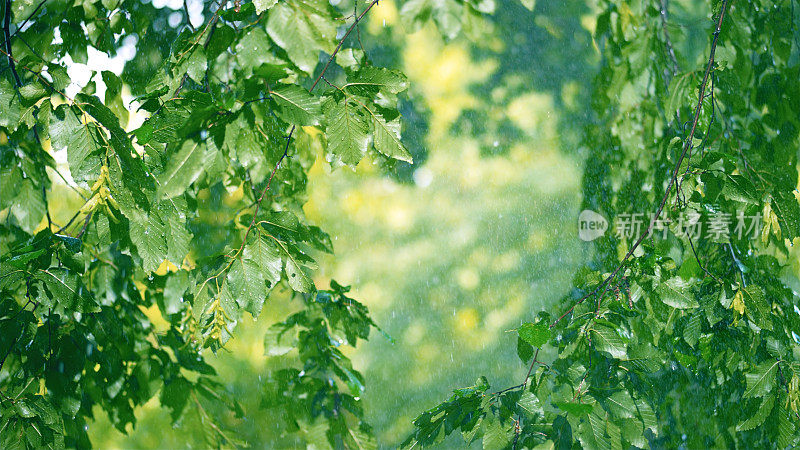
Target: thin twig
[74, 216]
[530, 369]
[47, 208]
[700, 263]
[27, 19]
[85, 225]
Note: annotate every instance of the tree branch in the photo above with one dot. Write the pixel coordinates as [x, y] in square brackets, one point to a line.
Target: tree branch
[686, 147]
[291, 131]
[7, 37]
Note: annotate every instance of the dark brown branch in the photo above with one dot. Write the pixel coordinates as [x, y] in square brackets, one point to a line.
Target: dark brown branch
[686, 147]
[530, 369]
[7, 37]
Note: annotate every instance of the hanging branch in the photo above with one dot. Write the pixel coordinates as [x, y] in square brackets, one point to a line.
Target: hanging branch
[285, 153]
[605, 285]
[291, 131]
[686, 147]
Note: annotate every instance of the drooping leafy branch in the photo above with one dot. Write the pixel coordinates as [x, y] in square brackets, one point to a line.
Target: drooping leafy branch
[683, 344]
[184, 209]
[673, 180]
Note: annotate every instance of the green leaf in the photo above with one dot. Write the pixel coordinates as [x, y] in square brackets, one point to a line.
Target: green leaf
[446, 15]
[363, 437]
[740, 189]
[9, 103]
[183, 168]
[415, 13]
[65, 289]
[347, 132]
[648, 416]
[524, 350]
[80, 140]
[387, 138]
[296, 277]
[194, 65]
[530, 403]
[787, 209]
[592, 433]
[296, 105]
[621, 404]
[316, 435]
[759, 417]
[573, 408]
[760, 379]
[72, 244]
[606, 339]
[34, 209]
[562, 434]
[757, 306]
[250, 52]
[496, 436]
[676, 292]
[32, 92]
[60, 76]
[371, 80]
[174, 292]
[276, 342]
[150, 242]
[692, 330]
[175, 396]
[302, 31]
[172, 213]
[786, 427]
[267, 255]
[535, 334]
[247, 285]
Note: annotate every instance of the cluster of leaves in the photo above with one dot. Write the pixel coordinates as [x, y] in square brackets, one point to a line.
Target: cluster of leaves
[494, 417]
[326, 415]
[229, 105]
[693, 341]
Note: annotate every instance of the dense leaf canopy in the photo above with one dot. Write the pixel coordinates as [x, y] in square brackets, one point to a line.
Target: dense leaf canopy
[666, 339]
